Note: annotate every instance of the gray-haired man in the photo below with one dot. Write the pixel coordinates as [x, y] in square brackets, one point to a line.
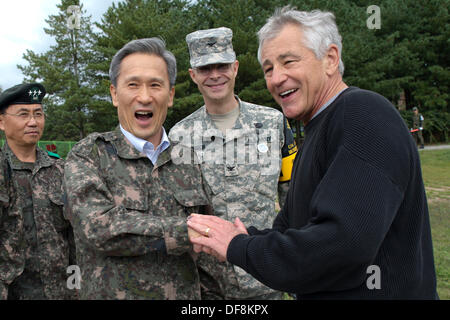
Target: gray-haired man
[128, 200]
[355, 224]
[239, 146]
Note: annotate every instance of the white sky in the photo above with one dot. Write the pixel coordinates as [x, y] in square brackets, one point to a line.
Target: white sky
[22, 24]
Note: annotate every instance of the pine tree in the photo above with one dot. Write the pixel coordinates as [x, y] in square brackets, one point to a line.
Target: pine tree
[64, 71]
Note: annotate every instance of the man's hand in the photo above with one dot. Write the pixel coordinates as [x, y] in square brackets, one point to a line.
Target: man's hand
[192, 235]
[216, 234]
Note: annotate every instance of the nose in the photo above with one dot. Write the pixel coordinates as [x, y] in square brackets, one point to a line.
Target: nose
[278, 76]
[32, 121]
[215, 73]
[144, 96]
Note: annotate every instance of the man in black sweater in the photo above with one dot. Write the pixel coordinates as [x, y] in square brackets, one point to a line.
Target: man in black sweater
[355, 224]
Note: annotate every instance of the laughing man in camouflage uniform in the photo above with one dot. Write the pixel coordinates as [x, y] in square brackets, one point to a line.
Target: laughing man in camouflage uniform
[128, 202]
[243, 184]
[34, 236]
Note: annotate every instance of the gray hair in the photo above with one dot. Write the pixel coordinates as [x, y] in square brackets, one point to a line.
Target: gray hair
[319, 29]
[154, 46]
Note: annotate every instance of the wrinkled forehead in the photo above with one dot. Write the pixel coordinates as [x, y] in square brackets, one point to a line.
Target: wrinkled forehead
[15, 108]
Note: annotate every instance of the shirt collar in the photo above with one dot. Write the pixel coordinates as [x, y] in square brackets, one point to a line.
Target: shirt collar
[327, 104]
[144, 146]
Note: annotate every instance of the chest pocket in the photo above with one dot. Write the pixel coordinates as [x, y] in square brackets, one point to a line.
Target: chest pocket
[56, 207]
[123, 178]
[193, 201]
[128, 193]
[213, 175]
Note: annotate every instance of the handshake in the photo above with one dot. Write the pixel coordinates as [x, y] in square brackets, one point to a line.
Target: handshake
[212, 235]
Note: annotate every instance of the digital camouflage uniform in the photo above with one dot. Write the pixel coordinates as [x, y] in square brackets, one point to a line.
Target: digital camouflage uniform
[36, 241]
[244, 189]
[129, 220]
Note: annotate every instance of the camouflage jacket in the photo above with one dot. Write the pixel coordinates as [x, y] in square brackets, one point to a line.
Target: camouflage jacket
[53, 234]
[242, 169]
[129, 220]
[417, 121]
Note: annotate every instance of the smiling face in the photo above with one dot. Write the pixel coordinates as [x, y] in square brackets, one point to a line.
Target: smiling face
[297, 80]
[19, 129]
[143, 95]
[216, 82]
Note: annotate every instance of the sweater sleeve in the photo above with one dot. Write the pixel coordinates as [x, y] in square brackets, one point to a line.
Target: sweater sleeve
[280, 224]
[352, 210]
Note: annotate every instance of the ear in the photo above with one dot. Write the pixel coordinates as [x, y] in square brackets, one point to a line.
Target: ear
[171, 96]
[236, 67]
[113, 92]
[192, 74]
[331, 60]
[2, 123]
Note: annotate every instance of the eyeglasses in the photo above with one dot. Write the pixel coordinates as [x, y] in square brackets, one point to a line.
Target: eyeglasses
[220, 67]
[26, 116]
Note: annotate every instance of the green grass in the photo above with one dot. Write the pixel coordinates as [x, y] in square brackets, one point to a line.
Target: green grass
[436, 176]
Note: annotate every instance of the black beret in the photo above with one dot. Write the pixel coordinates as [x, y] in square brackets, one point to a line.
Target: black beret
[27, 93]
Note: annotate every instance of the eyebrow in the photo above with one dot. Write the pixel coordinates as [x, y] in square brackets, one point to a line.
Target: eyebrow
[266, 63]
[281, 57]
[152, 79]
[287, 55]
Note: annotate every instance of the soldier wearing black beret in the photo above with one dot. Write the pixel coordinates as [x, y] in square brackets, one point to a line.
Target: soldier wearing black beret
[25, 94]
[34, 236]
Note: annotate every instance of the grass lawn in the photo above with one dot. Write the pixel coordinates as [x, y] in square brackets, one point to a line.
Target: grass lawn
[436, 176]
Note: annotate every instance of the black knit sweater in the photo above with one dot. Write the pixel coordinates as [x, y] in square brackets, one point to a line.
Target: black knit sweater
[356, 200]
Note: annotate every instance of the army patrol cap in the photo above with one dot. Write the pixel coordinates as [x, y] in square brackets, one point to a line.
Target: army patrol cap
[210, 47]
[28, 93]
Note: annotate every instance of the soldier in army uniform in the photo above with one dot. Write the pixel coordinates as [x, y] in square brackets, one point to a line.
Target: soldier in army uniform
[244, 142]
[417, 127]
[128, 201]
[36, 241]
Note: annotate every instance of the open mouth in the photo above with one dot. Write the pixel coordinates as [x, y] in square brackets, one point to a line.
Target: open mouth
[143, 115]
[287, 93]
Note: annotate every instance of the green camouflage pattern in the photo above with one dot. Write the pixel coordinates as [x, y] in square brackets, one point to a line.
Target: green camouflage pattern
[417, 120]
[129, 220]
[244, 189]
[36, 241]
[210, 47]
